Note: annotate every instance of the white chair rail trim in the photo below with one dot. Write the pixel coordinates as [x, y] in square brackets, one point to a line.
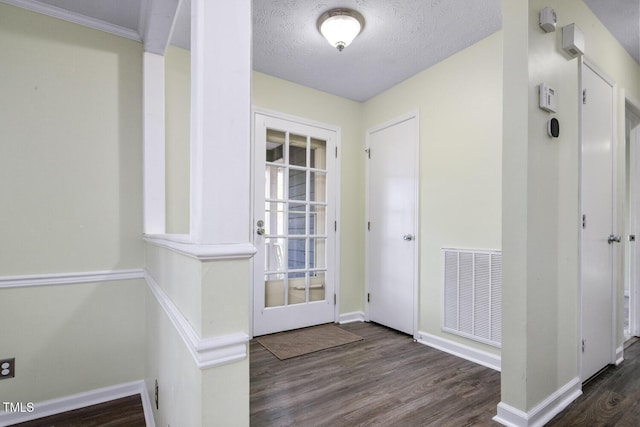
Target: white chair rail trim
[180, 245]
[69, 278]
[207, 352]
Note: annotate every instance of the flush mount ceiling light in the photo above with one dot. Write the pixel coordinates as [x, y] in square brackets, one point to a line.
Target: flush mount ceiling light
[340, 26]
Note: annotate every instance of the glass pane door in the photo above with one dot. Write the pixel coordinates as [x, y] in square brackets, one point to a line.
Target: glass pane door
[293, 286]
[295, 220]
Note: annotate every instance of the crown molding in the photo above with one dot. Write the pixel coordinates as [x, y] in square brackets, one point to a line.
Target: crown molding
[76, 18]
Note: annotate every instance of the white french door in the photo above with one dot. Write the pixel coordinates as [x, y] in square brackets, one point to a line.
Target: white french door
[597, 236]
[294, 224]
[392, 200]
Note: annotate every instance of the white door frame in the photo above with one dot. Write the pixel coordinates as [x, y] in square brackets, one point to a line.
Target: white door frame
[634, 285]
[584, 61]
[416, 250]
[308, 122]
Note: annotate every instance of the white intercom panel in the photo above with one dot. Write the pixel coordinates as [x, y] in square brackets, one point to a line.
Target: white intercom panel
[547, 98]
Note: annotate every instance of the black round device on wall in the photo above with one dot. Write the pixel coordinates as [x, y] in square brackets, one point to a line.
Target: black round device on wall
[553, 128]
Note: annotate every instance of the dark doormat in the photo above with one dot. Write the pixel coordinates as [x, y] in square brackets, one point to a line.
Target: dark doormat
[285, 345]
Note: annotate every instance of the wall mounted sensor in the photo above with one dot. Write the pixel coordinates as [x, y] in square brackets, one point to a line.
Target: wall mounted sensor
[553, 128]
[547, 98]
[573, 40]
[548, 20]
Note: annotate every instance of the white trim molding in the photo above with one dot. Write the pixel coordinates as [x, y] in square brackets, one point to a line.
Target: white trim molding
[619, 355]
[202, 252]
[76, 18]
[543, 412]
[82, 400]
[207, 352]
[69, 278]
[354, 316]
[480, 357]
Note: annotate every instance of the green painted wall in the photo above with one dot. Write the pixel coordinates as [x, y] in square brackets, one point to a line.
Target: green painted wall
[71, 185]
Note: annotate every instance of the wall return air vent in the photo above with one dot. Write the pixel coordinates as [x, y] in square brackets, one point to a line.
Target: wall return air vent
[472, 294]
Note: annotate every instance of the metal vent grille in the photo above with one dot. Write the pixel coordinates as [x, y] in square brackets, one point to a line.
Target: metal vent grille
[472, 294]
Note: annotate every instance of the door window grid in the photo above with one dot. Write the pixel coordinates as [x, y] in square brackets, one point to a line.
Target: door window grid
[295, 190]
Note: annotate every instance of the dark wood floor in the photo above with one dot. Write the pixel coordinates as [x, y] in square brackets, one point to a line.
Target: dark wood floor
[384, 380]
[125, 412]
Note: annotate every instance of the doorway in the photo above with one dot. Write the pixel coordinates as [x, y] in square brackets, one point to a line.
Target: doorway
[392, 224]
[597, 237]
[632, 273]
[295, 223]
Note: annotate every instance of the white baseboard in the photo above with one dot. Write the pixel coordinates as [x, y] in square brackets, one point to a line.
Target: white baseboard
[457, 349]
[354, 316]
[542, 413]
[619, 355]
[82, 400]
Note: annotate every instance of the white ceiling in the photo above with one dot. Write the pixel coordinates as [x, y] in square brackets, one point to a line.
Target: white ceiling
[400, 38]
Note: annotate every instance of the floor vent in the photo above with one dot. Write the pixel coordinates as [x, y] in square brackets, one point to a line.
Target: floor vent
[472, 289]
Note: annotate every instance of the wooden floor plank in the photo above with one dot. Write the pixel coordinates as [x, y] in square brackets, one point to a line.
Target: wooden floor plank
[610, 399]
[388, 380]
[385, 380]
[125, 412]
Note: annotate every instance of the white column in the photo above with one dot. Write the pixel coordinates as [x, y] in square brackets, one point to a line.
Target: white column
[220, 121]
[154, 148]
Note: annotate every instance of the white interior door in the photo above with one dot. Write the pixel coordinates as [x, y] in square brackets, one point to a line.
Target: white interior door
[392, 225]
[632, 286]
[294, 217]
[597, 199]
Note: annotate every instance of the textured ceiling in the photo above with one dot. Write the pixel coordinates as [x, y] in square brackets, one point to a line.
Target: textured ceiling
[622, 19]
[400, 38]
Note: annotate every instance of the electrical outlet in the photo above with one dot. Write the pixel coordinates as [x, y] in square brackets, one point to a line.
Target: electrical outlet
[7, 368]
[157, 407]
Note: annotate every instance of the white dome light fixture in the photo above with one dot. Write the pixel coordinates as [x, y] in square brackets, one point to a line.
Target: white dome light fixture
[340, 26]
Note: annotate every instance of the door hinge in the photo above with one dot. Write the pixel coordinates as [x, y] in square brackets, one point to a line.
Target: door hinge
[584, 221]
[336, 152]
[335, 299]
[368, 151]
[335, 225]
[584, 96]
[583, 343]
[368, 297]
[368, 225]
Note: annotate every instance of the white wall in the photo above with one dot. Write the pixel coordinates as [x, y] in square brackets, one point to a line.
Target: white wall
[540, 196]
[460, 104]
[69, 339]
[178, 120]
[70, 182]
[289, 98]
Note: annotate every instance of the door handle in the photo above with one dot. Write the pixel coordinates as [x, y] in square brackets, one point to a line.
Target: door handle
[407, 237]
[260, 229]
[613, 238]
